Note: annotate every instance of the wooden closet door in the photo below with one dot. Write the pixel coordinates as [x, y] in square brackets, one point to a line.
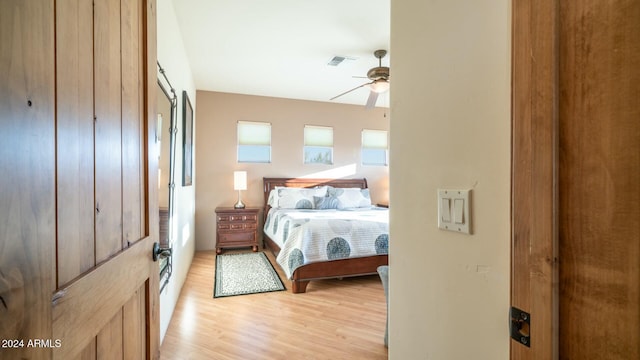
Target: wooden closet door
[599, 180]
[77, 279]
[576, 171]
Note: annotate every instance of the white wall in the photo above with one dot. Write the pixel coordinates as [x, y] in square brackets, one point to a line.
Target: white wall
[173, 58]
[450, 128]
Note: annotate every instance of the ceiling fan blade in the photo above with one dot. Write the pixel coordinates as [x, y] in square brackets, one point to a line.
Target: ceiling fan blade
[348, 91]
[371, 101]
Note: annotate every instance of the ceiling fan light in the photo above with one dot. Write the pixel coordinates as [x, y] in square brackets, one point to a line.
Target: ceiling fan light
[379, 86]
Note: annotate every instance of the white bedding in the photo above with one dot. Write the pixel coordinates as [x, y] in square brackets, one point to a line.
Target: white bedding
[307, 236]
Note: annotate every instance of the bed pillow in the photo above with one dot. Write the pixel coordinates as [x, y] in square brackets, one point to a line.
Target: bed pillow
[299, 198]
[325, 202]
[350, 197]
[273, 198]
[274, 195]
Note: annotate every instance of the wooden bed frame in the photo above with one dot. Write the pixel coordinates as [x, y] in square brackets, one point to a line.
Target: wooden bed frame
[328, 269]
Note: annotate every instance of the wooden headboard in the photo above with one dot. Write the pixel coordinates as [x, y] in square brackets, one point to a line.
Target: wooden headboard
[271, 183]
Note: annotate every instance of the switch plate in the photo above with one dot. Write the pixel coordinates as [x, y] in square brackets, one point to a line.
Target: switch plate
[454, 210]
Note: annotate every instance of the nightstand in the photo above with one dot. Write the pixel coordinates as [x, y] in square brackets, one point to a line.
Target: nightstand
[236, 228]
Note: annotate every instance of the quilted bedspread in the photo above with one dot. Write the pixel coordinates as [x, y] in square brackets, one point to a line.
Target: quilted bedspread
[307, 236]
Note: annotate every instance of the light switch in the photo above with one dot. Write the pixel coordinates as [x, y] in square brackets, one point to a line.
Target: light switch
[446, 210]
[458, 207]
[454, 210]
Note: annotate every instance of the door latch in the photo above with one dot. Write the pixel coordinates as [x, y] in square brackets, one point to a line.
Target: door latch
[520, 326]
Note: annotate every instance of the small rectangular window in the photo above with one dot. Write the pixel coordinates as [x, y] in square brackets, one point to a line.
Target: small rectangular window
[254, 142]
[374, 147]
[318, 145]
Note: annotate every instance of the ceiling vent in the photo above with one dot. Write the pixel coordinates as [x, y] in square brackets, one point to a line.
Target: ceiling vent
[337, 60]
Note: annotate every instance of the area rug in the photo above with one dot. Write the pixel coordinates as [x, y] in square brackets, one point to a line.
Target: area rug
[245, 273]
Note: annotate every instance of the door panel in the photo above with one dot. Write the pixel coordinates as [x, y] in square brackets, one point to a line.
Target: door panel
[74, 138]
[599, 178]
[132, 123]
[27, 165]
[109, 339]
[576, 170]
[133, 325]
[108, 128]
[83, 308]
[75, 249]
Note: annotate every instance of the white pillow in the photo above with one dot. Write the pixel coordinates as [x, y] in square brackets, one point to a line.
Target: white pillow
[273, 198]
[351, 197]
[299, 198]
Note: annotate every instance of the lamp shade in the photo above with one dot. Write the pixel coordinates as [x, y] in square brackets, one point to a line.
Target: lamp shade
[240, 180]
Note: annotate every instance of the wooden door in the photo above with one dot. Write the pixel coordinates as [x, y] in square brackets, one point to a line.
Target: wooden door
[77, 279]
[576, 171]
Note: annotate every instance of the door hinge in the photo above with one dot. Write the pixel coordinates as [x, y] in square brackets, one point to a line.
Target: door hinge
[520, 326]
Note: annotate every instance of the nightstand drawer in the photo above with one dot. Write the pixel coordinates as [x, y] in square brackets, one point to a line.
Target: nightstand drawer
[232, 238]
[236, 218]
[237, 226]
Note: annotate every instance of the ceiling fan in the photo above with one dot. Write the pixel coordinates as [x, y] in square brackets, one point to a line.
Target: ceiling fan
[379, 83]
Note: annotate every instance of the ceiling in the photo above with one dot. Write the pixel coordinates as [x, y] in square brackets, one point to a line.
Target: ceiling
[281, 48]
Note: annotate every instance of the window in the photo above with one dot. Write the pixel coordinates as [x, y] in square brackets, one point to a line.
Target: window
[254, 142]
[318, 145]
[374, 147]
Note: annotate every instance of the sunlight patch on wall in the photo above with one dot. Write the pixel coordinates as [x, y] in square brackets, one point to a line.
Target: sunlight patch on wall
[186, 233]
[336, 173]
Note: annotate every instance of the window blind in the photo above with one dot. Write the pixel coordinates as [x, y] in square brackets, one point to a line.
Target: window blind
[254, 133]
[374, 139]
[318, 136]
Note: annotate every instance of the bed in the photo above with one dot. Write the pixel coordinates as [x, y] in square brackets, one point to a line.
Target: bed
[370, 223]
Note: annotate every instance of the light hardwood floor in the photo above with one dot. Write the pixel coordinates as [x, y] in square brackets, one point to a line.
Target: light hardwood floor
[335, 319]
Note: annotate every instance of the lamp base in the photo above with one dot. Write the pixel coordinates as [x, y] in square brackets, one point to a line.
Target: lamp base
[239, 204]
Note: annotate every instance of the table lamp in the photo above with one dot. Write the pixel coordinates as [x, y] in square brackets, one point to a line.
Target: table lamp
[239, 183]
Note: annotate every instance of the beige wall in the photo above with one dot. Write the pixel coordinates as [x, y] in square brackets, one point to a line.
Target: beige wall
[450, 96]
[217, 115]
